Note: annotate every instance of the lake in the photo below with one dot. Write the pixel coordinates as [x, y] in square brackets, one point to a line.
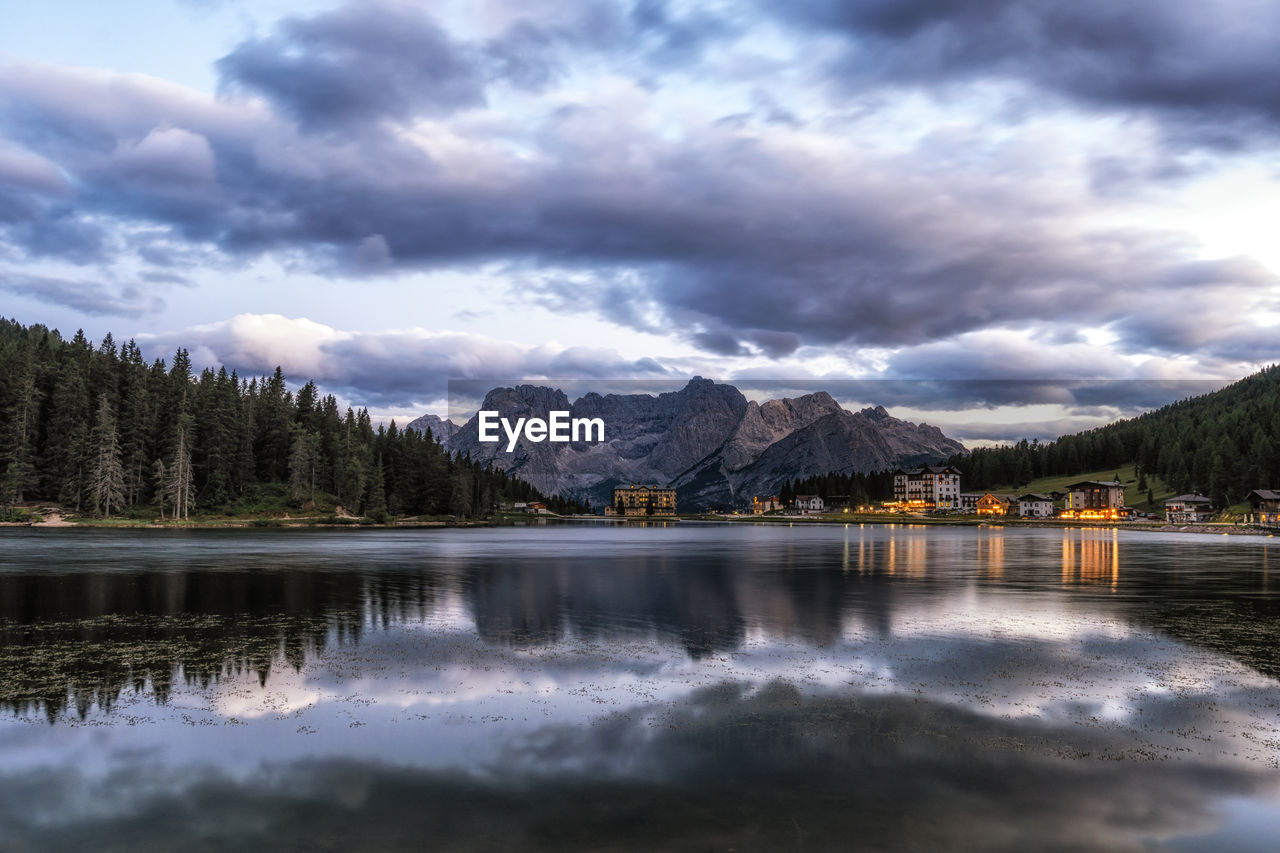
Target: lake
[678, 687]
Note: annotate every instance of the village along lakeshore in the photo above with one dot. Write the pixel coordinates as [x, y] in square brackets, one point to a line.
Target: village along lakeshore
[97, 435]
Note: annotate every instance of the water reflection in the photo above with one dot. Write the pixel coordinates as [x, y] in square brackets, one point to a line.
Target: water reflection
[767, 769]
[1091, 557]
[79, 636]
[677, 686]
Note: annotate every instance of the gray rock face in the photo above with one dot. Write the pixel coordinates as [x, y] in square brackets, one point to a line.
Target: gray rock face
[840, 441]
[706, 440]
[763, 424]
[441, 429]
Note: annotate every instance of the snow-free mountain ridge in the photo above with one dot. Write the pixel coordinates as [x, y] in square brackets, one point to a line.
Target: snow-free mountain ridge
[706, 440]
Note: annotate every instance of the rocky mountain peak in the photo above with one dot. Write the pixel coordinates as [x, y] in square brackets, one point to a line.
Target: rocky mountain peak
[705, 439]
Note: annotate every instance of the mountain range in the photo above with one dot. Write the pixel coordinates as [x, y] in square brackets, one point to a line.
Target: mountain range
[710, 443]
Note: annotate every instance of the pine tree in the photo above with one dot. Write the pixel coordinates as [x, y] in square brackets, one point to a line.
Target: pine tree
[302, 466]
[375, 499]
[160, 479]
[67, 436]
[460, 499]
[106, 474]
[134, 422]
[20, 467]
[180, 484]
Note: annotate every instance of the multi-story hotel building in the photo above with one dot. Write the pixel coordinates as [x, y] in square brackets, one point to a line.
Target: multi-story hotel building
[638, 500]
[1094, 499]
[928, 487]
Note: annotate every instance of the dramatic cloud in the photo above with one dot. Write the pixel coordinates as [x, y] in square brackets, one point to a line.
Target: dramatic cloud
[390, 368]
[970, 188]
[362, 61]
[94, 298]
[750, 243]
[1215, 67]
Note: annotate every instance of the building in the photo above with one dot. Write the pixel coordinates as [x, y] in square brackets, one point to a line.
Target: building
[761, 505]
[968, 501]
[1185, 509]
[1035, 506]
[809, 503]
[990, 504]
[1094, 499]
[642, 500]
[928, 487]
[1265, 506]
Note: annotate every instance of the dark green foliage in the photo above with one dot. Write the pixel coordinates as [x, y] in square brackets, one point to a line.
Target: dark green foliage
[106, 470]
[1218, 444]
[860, 489]
[62, 402]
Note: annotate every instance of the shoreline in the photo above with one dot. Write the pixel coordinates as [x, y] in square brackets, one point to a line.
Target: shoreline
[57, 521]
[1211, 528]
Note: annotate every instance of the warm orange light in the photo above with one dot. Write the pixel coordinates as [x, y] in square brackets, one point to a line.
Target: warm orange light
[1091, 514]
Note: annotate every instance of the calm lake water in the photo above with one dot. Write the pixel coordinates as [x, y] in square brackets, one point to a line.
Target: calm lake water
[687, 687]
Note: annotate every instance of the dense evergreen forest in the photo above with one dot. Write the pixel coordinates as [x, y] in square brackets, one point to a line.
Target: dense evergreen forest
[1218, 444]
[858, 488]
[101, 430]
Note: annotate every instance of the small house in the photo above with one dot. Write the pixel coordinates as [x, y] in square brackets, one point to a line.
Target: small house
[761, 505]
[809, 503]
[1187, 509]
[1264, 505]
[1035, 506]
[996, 505]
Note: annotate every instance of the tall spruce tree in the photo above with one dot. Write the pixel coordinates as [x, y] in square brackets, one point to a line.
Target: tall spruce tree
[20, 438]
[375, 499]
[302, 465]
[179, 486]
[106, 474]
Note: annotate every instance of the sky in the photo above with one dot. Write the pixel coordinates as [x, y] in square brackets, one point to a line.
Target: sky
[382, 196]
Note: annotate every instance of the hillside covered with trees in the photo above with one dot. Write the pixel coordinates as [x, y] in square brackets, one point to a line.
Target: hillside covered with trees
[1220, 444]
[100, 430]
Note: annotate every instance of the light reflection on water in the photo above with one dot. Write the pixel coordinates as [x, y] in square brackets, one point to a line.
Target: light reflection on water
[908, 684]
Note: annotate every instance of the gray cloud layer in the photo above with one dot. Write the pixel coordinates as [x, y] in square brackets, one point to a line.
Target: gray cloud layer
[1214, 65]
[738, 239]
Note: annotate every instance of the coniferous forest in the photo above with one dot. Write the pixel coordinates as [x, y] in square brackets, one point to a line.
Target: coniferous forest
[1220, 445]
[855, 488]
[100, 430]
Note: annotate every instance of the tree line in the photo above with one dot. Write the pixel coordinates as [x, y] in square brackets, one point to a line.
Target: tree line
[100, 429]
[858, 488]
[1218, 444]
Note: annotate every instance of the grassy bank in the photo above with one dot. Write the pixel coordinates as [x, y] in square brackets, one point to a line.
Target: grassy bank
[1133, 496]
